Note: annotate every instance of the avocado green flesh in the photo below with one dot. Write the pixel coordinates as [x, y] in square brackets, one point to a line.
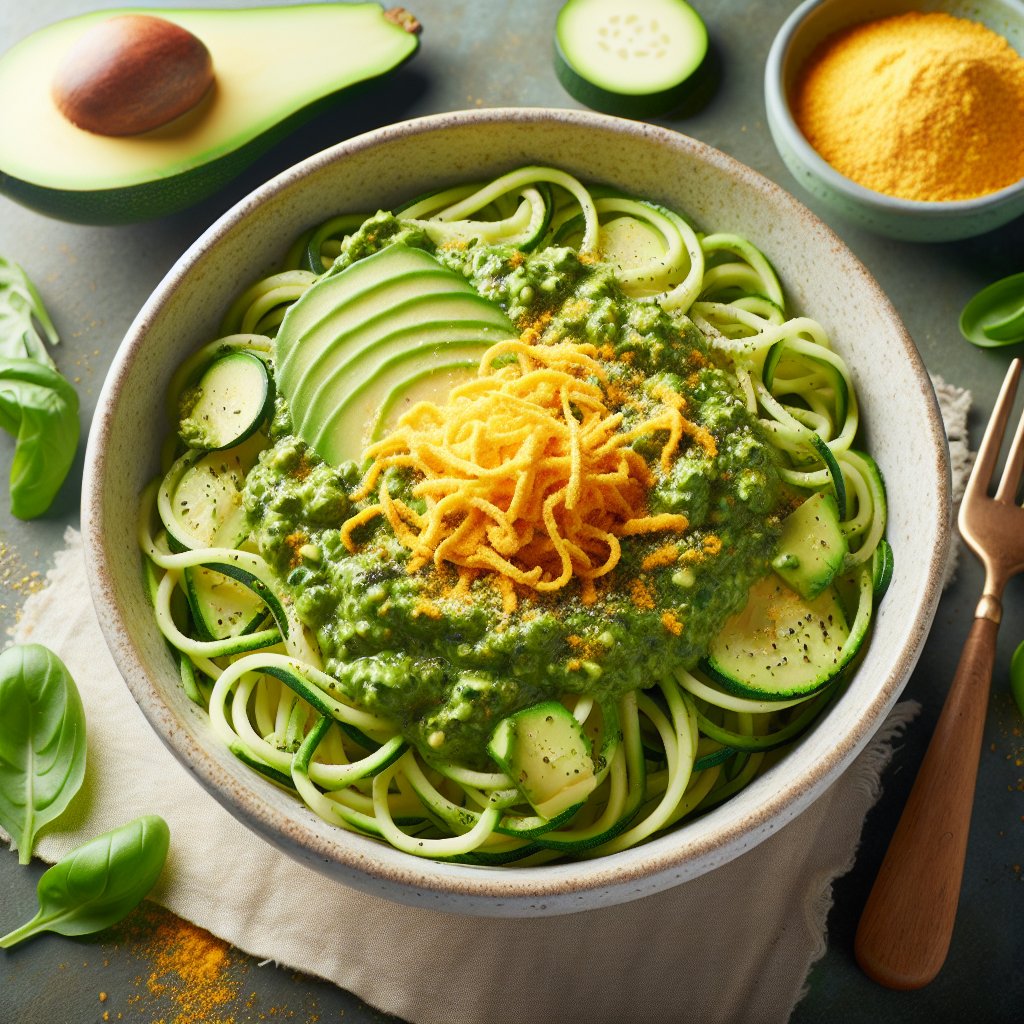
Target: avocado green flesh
[333, 321]
[428, 385]
[317, 397]
[343, 437]
[360, 335]
[312, 52]
[431, 343]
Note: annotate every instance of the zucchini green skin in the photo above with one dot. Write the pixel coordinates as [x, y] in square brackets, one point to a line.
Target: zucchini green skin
[619, 104]
[166, 195]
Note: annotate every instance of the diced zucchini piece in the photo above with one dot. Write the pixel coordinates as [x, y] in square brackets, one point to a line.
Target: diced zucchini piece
[230, 402]
[543, 749]
[812, 546]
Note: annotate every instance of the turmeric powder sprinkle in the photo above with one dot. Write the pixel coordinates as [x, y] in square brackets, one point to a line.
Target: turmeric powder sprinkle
[922, 106]
[526, 472]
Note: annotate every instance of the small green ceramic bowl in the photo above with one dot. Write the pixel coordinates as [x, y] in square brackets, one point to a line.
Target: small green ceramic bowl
[907, 219]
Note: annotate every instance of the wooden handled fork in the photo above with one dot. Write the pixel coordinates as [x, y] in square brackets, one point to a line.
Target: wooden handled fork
[905, 929]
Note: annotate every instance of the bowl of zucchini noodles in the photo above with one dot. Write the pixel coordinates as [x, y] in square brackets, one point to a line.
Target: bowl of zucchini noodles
[531, 510]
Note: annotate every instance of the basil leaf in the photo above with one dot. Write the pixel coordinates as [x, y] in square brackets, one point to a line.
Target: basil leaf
[40, 409]
[42, 741]
[1017, 678]
[21, 309]
[96, 884]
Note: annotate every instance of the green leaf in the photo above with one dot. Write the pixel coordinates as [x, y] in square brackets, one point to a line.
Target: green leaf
[98, 883]
[21, 309]
[1017, 678]
[42, 741]
[40, 409]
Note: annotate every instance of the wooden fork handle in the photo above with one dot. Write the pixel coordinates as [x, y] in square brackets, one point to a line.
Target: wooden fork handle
[907, 923]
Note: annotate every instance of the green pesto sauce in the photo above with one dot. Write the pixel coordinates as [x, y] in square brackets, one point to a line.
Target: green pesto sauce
[402, 645]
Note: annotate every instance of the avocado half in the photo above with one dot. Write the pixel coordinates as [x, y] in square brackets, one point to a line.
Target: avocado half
[274, 67]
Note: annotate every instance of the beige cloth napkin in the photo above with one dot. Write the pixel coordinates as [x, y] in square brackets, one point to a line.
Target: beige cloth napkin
[732, 945]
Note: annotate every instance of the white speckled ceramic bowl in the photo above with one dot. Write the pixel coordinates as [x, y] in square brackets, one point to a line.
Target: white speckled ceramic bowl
[378, 169]
[810, 24]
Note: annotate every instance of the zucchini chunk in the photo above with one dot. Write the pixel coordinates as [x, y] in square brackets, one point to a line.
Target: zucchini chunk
[544, 751]
[634, 59]
[781, 645]
[229, 403]
[812, 547]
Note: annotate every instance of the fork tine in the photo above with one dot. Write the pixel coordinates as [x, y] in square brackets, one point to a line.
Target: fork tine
[1010, 483]
[988, 453]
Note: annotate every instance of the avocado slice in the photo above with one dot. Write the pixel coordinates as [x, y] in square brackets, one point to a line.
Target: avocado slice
[274, 67]
[361, 345]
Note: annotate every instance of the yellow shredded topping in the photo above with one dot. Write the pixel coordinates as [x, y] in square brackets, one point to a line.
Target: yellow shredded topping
[525, 473]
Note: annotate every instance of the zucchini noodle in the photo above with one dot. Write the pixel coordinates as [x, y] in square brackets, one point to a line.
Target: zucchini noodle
[662, 753]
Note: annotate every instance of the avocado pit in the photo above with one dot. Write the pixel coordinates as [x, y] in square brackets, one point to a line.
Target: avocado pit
[130, 74]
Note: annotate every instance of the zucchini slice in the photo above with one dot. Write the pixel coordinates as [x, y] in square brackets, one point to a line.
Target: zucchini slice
[780, 645]
[221, 606]
[633, 59]
[201, 503]
[229, 403]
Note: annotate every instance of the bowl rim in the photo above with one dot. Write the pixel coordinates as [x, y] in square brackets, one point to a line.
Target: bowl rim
[780, 112]
[509, 891]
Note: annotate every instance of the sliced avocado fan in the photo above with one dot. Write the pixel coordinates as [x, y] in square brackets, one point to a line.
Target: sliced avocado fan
[361, 345]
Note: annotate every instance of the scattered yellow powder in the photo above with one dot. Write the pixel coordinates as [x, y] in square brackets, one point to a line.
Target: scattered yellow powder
[189, 969]
[641, 595]
[294, 542]
[923, 106]
[671, 623]
[712, 544]
[426, 608]
[302, 468]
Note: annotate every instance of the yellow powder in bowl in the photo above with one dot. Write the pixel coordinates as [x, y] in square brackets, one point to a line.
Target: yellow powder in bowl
[922, 106]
